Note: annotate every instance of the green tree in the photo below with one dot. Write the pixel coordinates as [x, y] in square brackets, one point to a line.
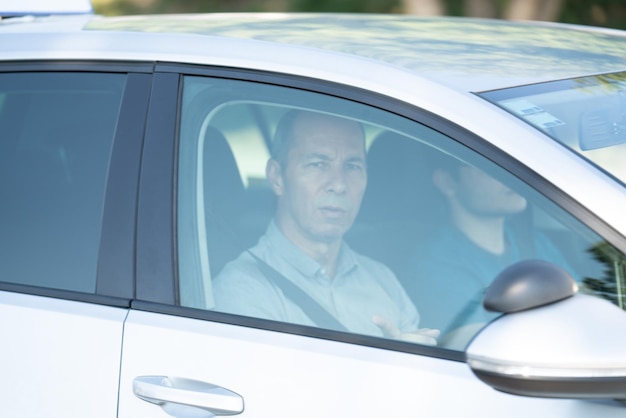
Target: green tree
[607, 13]
[611, 286]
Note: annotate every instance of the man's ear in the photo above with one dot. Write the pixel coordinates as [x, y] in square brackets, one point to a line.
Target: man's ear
[443, 181]
[274, 175]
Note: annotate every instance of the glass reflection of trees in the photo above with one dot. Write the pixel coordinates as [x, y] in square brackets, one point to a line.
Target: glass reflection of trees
[612, 286]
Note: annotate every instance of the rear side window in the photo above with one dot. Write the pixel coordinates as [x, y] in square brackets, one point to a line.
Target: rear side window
[57, 132]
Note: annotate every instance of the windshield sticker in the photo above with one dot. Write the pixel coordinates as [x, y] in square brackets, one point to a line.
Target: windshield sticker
[522, 107]
[544, 120]
[532, 113]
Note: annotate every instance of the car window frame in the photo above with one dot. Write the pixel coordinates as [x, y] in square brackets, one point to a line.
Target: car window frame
[115, 260]
[157, 287]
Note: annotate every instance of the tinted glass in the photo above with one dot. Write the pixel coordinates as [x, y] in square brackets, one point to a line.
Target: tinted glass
[57, 131]
[433, 217]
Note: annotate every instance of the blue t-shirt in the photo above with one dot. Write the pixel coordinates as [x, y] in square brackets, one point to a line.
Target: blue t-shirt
[448, 278]
[360, 289]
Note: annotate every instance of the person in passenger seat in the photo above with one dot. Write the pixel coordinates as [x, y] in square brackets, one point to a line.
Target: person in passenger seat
[318, 173]
[449, 276]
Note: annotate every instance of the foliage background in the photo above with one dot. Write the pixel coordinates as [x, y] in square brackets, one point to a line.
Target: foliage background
[606, 13]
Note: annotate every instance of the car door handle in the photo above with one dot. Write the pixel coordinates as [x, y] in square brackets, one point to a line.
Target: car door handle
[184, 397]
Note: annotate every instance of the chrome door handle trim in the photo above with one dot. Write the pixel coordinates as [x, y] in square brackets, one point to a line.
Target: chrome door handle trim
[176, 394]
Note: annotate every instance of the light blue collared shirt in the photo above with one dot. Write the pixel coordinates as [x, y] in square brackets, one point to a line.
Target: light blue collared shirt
[361, 288]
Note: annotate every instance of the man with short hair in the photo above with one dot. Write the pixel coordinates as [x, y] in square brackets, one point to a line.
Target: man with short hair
[449, 276]
[318, 173]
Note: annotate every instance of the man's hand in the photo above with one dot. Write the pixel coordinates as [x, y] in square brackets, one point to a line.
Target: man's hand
[427, 336]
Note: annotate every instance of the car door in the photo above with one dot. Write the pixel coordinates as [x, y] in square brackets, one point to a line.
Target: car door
[63, 217]
[205, 200]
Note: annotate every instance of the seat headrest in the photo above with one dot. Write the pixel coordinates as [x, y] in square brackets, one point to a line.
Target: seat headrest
[397, 171]
[223, 187]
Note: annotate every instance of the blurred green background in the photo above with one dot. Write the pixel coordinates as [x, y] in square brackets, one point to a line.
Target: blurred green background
[606, 13]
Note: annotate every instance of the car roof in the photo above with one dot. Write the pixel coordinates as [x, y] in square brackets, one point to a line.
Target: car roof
[467, 54]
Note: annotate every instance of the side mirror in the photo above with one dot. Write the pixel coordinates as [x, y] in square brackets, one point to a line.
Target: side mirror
[551, 342]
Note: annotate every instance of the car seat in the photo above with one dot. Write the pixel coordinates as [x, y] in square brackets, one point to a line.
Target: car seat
[224, 195]
[399, 204]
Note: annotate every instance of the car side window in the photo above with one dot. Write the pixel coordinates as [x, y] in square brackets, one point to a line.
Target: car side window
[57, 131]
[480, 220]
[309, 209]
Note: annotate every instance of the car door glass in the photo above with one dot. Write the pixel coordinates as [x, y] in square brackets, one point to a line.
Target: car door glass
[418, 224]
[57, 131]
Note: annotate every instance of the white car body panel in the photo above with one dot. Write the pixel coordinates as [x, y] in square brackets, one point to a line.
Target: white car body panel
[283, 376]
[59, 358]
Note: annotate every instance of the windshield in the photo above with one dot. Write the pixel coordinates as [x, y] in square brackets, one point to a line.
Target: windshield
[587, 114]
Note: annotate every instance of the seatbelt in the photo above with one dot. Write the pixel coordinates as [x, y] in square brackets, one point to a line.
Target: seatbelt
[468, 310]
[316, 312]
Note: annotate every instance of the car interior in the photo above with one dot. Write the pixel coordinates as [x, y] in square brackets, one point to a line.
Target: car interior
[400, 211]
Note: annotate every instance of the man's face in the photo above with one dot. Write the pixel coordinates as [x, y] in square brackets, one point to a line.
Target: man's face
[481, 194]
[321, 186]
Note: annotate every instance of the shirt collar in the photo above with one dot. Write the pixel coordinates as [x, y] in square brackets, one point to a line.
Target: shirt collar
[302, 262]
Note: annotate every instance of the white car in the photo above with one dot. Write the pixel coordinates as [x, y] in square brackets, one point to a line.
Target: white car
[133, 169]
